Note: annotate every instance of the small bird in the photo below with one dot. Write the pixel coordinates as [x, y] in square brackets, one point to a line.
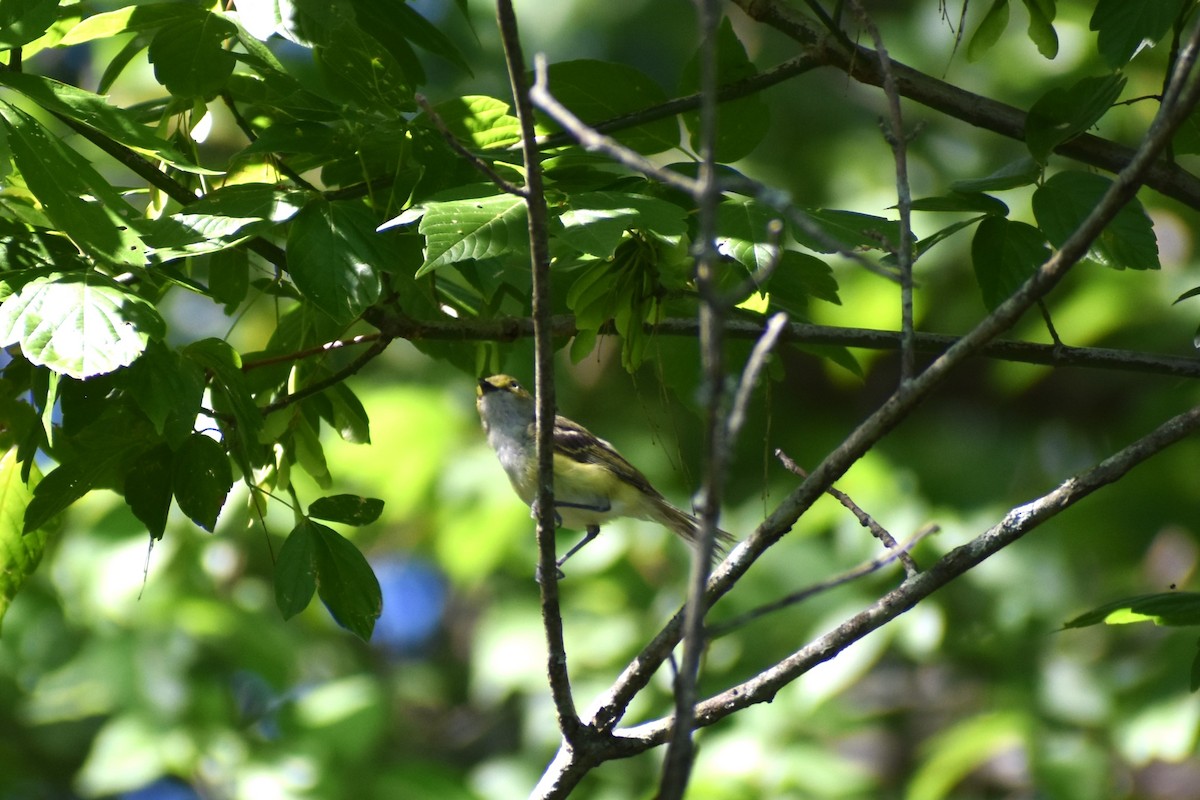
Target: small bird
[593, 483]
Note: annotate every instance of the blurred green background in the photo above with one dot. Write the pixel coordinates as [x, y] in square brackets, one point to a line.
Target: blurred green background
[167, 674]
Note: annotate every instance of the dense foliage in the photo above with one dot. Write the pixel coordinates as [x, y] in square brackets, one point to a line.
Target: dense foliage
[255, 253]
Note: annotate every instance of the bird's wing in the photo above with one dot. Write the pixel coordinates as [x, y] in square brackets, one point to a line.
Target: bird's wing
[577, 443]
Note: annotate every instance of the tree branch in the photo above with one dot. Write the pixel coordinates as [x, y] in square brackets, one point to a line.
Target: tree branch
[535, 200]
[863, 65]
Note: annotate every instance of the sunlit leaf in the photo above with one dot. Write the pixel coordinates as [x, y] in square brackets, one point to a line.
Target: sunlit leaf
[20, 552]
[79, 324]
[479, 228]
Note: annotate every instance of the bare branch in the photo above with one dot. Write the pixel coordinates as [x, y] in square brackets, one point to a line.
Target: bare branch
[898, 551]
[535, 199]
[864, 519]
[898, 140]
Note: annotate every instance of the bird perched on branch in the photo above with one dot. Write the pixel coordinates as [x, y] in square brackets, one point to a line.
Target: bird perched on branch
[593, 483]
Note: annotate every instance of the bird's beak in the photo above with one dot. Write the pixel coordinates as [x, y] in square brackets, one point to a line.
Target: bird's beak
[483, 387]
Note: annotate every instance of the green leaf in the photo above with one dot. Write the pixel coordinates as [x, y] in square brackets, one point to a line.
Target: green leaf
[224, 218]
[1005, 254]
[1126, 26]
[308, 452]
[478, 228]
[1165, 608]
[225, 365]
[1021, 172]
[849, 228]
[1065, 200]
[190, 57]
[78, 324]
[989, 30]
[350, 509]
[349, 417]
[296, 571]
[357, 68]
[741, 124]
[425, 34]
[334, 255]
[130, 19]
[343, 578]
[19, 553]
[168, 389]
[229, 277]
[1041, 26]
[148, 488]
[66, 484]
[1062, 114]
[482, 122]
[95, 112]
[62, 180]
[973, 202]
[595, 222]
[596, 91]
[201, 479]
[798, 277]
[22, 22]
[742, 233]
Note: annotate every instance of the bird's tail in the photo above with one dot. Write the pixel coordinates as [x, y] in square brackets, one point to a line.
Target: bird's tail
[687, 526]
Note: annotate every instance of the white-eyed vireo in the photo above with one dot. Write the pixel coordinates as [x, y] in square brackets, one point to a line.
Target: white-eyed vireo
[593, 483]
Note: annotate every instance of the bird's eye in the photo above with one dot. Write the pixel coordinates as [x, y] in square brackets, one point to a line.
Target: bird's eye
[516, 387]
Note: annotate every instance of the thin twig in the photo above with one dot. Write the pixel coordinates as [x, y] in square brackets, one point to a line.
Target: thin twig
[866, 520]
[320, 349]
[754, 365]
[510, 329]
[478, 163]
[535, 199]
[1185, 88]
[898, 141]
[334, 378]
[898, 552]
[680, 756]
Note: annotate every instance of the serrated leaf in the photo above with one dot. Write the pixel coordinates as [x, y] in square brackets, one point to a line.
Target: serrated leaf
[596, 91]
[480, 121]
[333, 257]
[63, 181]
[595, 222]
[1013, 175]
[201, 479]
[78, 324]
[19, 553]
[349, 509]
[1005, 254]
[990, 28]
[478, 228]
[742, 123]
[1164, 608]
[148, 488]
[357, 68]
[190, 58]
[1065, 200]
[1062, 114]
[1124, 27]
